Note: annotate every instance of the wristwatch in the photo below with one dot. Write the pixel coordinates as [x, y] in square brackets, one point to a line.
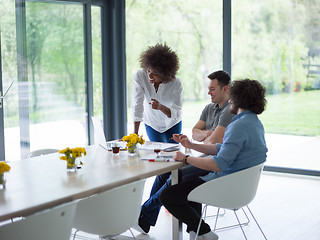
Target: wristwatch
[185, 158]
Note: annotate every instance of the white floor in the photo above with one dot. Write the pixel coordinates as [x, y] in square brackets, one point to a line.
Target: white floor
[286, 206]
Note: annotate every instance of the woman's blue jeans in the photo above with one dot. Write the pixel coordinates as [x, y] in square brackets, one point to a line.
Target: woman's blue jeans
[166, 136]
[150, 209]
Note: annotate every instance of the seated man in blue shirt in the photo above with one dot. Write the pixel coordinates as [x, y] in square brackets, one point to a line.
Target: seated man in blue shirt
[243, 146]
[210, 128]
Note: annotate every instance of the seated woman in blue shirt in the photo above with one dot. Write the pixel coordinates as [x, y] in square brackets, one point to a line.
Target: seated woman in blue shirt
[243, 146]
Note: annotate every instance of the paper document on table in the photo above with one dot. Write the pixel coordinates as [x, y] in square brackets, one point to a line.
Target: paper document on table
[158, 158]
[163, 147]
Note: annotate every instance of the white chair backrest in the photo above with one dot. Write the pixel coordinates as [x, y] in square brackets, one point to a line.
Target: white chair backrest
[51, 224]
[44, 151]
[232, 191]
[112, 212]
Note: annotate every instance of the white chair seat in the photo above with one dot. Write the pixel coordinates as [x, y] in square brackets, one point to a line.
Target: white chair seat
[112, 212]
[51, 224]
[233, 191]
[40, 152]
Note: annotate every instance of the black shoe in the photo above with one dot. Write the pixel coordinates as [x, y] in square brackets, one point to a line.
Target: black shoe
[142, 226]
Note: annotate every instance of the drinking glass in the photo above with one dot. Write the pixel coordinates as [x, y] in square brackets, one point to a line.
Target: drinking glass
[157, 147]
[115, 149]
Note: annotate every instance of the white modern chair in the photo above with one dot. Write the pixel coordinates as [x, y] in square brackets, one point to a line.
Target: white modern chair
[110, 213]
[51, 224]
[233, 192]
[44, 151]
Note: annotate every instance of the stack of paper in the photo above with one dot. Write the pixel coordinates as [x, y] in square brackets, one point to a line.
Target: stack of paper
[166, 147]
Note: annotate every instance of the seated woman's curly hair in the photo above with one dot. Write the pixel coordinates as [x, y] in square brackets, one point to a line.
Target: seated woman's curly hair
[248, 94]
[162, 59]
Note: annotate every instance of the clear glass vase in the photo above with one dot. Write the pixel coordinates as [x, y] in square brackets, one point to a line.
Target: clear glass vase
[71, 165]
[2, 180]
[132, 150]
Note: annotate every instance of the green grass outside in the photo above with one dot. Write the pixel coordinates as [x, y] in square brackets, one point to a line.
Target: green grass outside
[295, 113]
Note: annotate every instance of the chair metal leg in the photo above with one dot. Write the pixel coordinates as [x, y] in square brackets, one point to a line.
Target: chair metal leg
[203, 216]
[248, 220]
[231, 226]
[254, 220]
[75, 233]
[240, 224]
[134, 237]
[215, 224]
[257, 223]
[204, 213]
[220, 214]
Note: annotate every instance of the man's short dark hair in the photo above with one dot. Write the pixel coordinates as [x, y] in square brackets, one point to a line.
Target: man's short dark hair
[248, 94]
[162, 59]
[222, 77]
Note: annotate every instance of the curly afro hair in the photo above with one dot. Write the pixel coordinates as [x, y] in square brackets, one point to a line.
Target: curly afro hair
[162, 59]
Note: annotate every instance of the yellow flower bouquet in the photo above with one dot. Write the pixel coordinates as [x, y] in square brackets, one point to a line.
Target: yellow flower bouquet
[71, 154]
[4, 167]
[132, 141]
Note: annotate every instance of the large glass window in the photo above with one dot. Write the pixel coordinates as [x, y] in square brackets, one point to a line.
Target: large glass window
[52, 51]
[274, 42]
[278, 43]
[56, 83]
[47, 108]
[96, 61]
[9, 75]
[193, 29]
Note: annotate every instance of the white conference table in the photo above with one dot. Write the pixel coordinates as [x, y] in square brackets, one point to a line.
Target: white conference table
[39, 183]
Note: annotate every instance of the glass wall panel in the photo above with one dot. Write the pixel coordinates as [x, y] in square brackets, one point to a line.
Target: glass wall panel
[193, 29]
[9, 74]
[278, 43]
[46, 106]
[96, 61]
[55, 46]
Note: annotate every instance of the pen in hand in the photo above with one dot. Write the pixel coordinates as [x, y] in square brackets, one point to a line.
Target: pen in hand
[178, 136]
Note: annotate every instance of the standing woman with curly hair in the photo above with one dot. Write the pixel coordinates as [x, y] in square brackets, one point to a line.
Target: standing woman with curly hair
[157, 94]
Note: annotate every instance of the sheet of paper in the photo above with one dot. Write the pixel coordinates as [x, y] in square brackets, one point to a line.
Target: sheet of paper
[164, 146]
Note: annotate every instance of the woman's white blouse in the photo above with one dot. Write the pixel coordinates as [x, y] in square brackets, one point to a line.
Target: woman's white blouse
[168, 94]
